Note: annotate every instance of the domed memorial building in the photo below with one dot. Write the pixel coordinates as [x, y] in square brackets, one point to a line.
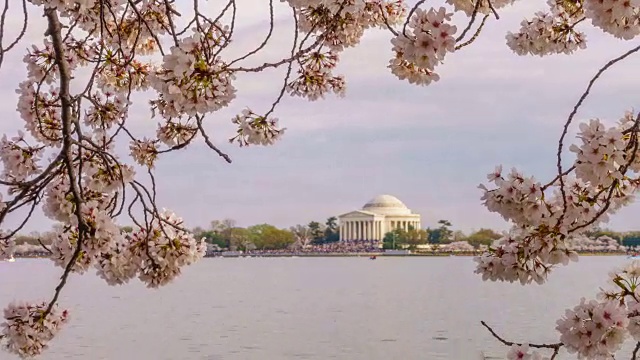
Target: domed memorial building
[380, 215]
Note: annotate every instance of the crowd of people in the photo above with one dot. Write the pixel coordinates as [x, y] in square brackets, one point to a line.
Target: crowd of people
[341, 247]
[354, 246]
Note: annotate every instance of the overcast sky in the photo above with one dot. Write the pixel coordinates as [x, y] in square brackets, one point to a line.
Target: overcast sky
[428, 146]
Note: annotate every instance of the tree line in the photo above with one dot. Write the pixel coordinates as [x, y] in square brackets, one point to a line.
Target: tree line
[225, 234]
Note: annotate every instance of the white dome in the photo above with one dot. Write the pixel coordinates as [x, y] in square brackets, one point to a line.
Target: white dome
[386, 205]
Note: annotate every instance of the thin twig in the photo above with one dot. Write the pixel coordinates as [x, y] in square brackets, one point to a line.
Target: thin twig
[634, 356]
[509, 343]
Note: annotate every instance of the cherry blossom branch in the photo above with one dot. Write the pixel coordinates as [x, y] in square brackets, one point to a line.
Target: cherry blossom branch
[266, 39]
[411, 12]
[553, 346]
[23, 31]
[565, 129]
[509, 343]
[386, 21]
[493, 10]
[208, 141]
[54, 31]
[471, 21]
[475, 35]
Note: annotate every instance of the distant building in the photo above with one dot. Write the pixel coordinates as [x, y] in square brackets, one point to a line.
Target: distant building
[379, 216]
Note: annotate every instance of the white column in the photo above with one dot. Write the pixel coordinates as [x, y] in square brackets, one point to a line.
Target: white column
[349, 229]
[370, 230]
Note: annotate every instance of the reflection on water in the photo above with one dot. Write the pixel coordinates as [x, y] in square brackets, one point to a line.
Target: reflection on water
[305, 308]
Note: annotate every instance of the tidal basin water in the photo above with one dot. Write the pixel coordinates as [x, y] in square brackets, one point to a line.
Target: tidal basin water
[305, 308]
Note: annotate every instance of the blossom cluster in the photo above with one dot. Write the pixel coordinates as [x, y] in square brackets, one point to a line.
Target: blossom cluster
[547, 33]
[602, 243]
[423, 46]
[7, 248]
[548, 218]
[254, 129]
[594, 329]
[19, 159]
[191, 80]
[316, 78]
[621, 19]
[457, 246]
[341, 24]
[553, 31]
[144, 151]
[481, 7]
[521, 352]
[26, 330]
[597, 329]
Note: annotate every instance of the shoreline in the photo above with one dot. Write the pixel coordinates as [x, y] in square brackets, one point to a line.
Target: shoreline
[380, 254]
[364, 255]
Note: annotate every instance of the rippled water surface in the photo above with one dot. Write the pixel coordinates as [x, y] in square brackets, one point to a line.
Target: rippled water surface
[305, 308]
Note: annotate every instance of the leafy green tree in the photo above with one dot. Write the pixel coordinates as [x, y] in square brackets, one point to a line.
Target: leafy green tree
[269, 237]
[331, 233]
[317, 231]
[399, 237]
[239, 239]
[631, 238]
[442, 234]
[482, 237]
[415, 237]
[211, 237]
[389, 240]
[225, 228]
[33, 238]
[332, 224]
[598, 232]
